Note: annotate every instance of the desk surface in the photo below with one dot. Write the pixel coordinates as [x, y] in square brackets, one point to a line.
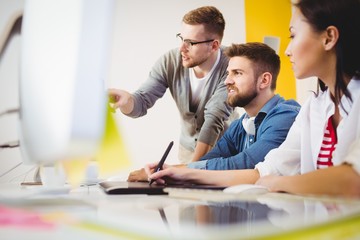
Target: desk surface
[87, 212]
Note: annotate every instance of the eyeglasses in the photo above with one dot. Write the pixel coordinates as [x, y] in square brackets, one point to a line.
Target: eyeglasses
[188, 44]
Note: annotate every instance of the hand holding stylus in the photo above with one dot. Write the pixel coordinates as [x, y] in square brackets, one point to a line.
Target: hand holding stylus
[161, 163]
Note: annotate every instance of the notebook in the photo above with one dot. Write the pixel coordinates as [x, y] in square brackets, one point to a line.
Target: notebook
[123, 187]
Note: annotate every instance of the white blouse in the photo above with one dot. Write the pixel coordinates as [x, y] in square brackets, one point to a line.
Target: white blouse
[299, 152]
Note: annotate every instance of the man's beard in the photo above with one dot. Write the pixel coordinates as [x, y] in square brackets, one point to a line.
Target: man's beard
[195, 63]
[241, 100]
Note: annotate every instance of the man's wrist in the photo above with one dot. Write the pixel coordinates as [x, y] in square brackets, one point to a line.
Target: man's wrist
[198, 165]
[180, 165]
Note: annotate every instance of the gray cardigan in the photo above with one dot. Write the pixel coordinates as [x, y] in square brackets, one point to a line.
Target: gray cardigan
[208, 122]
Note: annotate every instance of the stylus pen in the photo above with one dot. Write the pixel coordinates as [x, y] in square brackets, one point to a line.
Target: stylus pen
[161, 163]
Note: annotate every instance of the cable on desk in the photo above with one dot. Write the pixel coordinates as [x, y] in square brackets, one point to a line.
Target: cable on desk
[11, 169]
[25, 174]
[11, 144]
[13, 110]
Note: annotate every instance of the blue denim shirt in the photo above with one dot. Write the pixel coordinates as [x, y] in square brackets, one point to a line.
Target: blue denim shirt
[272, 124]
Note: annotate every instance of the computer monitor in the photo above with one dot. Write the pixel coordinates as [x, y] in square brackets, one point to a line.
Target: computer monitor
[64, 63]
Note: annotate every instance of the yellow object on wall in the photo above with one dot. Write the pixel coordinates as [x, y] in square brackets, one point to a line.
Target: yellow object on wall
[271, 18]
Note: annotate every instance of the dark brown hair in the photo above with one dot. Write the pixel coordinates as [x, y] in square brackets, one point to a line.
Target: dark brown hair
[261, 55]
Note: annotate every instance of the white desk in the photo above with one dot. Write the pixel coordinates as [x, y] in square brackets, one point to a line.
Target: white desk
[88, 213]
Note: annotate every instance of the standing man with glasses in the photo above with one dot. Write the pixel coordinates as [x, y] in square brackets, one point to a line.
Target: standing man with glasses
[194, 73]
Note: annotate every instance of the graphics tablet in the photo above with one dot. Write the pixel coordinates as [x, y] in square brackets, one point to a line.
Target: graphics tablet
[123, 187]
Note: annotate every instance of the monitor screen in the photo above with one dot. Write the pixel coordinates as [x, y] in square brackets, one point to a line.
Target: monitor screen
[64, 61]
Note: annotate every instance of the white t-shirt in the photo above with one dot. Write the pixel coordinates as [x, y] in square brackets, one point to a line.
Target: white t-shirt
[197, 84]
